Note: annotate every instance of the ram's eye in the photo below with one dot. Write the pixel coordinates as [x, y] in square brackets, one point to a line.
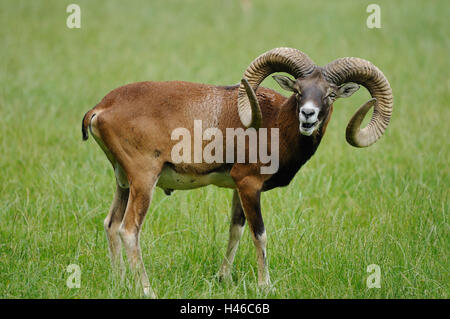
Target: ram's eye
[332, 95]
[298, 96]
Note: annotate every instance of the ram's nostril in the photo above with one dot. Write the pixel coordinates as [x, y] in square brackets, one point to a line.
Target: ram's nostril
[307, 112]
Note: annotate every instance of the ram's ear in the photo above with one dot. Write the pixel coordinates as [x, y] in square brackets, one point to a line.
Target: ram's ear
[347, 89]
[285, 82]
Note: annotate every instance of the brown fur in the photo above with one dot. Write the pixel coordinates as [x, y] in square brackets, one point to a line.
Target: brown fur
[133, 125]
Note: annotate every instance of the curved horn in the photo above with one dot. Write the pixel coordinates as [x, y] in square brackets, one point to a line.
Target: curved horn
[365, 73]
[287, 60]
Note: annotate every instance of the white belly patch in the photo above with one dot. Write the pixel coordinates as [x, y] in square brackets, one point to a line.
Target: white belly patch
[170, 179]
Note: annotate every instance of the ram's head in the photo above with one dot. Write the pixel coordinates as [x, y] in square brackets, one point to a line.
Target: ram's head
[316, 88]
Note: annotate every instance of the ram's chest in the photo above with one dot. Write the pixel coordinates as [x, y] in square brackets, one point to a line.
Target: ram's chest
[169, 179]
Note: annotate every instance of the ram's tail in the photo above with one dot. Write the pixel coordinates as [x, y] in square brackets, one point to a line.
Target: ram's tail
[85, 124]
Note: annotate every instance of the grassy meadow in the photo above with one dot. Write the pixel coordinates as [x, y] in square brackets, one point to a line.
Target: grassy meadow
[347, 208]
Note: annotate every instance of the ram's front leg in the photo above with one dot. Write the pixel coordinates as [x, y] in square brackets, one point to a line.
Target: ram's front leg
[249, 190]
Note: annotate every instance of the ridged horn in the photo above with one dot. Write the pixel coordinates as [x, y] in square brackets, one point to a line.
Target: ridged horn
[288, 60]
[363, 72]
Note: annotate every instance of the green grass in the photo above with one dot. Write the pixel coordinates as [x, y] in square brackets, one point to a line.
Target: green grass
[347, 208]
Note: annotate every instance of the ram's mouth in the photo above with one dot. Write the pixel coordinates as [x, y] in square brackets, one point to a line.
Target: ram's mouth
[308, 128]
[308, 125]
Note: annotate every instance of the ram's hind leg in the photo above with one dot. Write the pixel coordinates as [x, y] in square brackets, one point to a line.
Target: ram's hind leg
[112, 223]
[236, 230]
[117, 210]
[142, 184]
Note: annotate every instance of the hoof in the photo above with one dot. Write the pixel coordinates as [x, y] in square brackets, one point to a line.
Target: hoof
[224, 277]
[148, 292]
[267, 286]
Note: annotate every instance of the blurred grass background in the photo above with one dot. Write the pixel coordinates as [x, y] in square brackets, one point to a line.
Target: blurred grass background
[346, 209]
